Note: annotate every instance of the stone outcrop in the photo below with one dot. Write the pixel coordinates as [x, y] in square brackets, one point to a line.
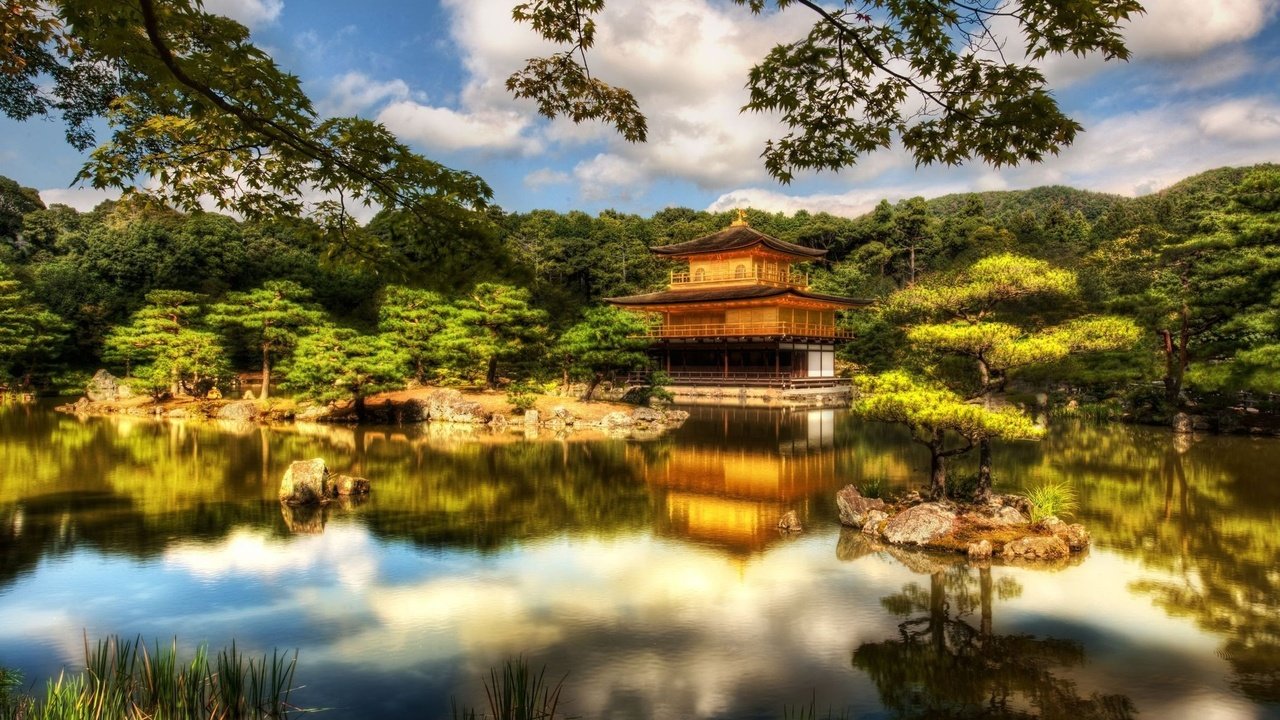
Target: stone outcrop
[919, 525]
[1074, 535]
[1036, 547]
[105, 387]
[240, 411]
[448, 405]
[309, 482]
[854, 507]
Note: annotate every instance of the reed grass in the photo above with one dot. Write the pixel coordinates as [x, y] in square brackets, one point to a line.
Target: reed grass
[1052, 499]
[516, 693]
[124, 680]
[810, 711]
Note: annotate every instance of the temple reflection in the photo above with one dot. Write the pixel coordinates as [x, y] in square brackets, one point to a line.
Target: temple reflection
[737, 471]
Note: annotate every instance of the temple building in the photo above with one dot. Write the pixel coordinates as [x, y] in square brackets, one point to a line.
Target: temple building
[740, 318]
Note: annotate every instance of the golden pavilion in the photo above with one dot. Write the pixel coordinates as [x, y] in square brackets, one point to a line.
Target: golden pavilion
[740, 314]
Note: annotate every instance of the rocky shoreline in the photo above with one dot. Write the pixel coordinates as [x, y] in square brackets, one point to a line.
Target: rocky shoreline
[996, 528]
[106, 396]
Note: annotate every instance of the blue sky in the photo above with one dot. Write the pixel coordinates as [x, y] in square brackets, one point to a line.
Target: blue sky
[1202, 91]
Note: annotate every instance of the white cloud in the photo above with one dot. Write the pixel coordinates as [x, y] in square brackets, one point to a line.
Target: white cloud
[544, 177]
[252, 13]
[1186, 28]
[81, 198]
[354, 92]
[606, 175]
[1247, 120]
[440, 128]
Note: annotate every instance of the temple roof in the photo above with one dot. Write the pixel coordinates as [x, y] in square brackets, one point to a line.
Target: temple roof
[741, 292]
[736, 237]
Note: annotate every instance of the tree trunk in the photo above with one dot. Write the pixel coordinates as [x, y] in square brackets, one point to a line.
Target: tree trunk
[266, 372]
[983, 489]
[591, 386]
[912, 281]
[491, 377]
[359, 408]
[937, 469]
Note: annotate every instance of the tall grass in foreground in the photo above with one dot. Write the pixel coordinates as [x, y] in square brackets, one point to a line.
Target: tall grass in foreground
[1051, 499]
[124, 680]
[810, 711]
[516, 694]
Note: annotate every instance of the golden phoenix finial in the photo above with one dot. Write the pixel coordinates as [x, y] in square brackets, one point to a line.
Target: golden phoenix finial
[742, 219]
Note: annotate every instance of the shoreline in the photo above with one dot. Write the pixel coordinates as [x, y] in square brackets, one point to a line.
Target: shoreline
[423, 405]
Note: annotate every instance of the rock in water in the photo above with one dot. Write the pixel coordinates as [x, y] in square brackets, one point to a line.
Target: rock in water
[919, 525]
[790, 522]
[306, 482]
[344, 485]
[1036, 548]
[854, 507]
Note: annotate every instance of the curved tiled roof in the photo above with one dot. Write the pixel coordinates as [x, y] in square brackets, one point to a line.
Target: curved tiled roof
[746, 292]
[736, 237]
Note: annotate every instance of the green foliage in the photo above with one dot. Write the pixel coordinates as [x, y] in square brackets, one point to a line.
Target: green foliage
[605, 342]
[873, 487]
[493, 324]
[336, 364]
[521, 397]
[1052, 499]
[124, 680]
[164, 347]
[30, 335]
[193, 103]
[842, 92]
[271, 318]
[938, 418]
[417, 318]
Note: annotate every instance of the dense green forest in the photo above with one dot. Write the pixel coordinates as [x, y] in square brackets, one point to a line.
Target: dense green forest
[183, 299]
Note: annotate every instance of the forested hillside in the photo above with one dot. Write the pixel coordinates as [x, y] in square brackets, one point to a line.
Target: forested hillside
[1196, 265]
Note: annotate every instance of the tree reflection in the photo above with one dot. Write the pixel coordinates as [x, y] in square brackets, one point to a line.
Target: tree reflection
[942, 665]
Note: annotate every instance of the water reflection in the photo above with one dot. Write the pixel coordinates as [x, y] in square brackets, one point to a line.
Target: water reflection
[645, 566]
[738, 472]
[945, 662]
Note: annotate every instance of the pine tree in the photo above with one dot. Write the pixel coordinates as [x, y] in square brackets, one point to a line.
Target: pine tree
[416, 318]
[171, 351]
[273, 316]
[494, 324]
[336, 364]
[606, 341]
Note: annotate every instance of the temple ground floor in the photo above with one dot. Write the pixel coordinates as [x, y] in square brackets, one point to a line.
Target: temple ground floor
[752, 373]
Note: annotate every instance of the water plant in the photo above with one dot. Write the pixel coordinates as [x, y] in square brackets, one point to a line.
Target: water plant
[873, 488]
[124, 680]
[810, 711]
[1051, 499]
[517, 693]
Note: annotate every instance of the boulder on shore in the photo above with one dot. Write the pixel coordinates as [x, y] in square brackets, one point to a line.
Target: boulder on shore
[854, 508]
[919, 525]
[240, 411]
[449, 405]
[345, 485]
[105, 387]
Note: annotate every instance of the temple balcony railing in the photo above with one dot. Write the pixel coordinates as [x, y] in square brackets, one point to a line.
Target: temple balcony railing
[740, 378]
[748, 329]
[758, 275]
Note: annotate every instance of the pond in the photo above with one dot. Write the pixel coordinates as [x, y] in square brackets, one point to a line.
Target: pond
[647, 573]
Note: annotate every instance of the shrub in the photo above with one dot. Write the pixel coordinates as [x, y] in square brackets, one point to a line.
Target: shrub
[1054, 499]
[521, 397]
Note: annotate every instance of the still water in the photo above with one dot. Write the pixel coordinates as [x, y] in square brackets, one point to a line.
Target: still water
[649, 572]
